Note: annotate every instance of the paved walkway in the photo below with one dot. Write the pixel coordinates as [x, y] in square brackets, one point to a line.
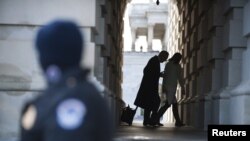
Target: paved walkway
[137, 132]
[8, 139]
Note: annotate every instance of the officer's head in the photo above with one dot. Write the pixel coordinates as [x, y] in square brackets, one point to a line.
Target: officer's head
[59, 43]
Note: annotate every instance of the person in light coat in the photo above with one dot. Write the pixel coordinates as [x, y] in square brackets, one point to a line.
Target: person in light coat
[171, 77]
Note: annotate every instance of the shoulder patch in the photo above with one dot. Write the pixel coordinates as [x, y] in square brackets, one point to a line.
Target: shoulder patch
[29, 117]
[70, 114]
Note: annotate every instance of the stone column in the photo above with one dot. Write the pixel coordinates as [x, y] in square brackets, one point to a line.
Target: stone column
[164, 45]
[100, 41]
[240, 96]
[150, 36]
[165, 39]
[233, 46]
[133, 32]
[246, 32]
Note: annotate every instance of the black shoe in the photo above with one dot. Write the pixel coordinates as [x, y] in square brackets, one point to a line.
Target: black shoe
[180, 124]
[152, 124]
[145, 124]
[159, 124]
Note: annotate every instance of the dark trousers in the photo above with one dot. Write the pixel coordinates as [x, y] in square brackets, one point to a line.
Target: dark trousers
[148, 114]
[164, 108]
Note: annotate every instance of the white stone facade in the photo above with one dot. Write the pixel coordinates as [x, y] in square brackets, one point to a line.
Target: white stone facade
[148, 20]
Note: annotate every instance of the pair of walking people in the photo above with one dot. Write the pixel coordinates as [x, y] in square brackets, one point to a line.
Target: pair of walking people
[148, 95]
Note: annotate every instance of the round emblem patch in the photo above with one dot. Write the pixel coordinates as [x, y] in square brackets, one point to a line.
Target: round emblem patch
[70, 114]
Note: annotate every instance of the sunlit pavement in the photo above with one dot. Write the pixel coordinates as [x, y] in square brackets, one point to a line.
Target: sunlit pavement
[168, 132]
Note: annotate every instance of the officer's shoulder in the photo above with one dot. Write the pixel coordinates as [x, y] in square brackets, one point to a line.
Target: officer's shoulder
[43, 97]
[89, 87]
[88, 91]
[36, 104]
[33, 102]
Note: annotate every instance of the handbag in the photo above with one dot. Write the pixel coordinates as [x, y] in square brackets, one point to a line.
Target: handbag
[128, 115]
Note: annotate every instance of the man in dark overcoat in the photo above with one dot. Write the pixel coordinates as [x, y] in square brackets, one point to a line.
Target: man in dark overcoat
[148, 95]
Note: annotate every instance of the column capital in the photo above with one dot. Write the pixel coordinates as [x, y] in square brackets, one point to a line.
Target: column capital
[134, 36]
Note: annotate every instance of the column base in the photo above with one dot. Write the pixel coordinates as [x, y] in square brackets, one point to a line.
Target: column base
[239, 104]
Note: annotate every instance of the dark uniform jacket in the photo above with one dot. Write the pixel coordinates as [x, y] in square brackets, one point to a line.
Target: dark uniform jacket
[71, 110]
[147, 96]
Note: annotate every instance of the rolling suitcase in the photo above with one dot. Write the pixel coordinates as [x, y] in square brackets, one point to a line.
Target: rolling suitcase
[128, 115]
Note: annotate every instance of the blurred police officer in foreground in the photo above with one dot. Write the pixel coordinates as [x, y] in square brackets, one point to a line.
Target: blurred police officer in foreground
[71, 109]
